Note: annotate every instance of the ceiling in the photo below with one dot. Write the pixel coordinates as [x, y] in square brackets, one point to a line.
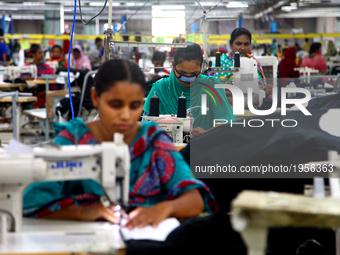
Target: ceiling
[141, 9]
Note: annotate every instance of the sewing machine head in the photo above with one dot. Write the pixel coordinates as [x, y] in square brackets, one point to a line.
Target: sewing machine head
[246, 77]
[107, 163]
[4, 73]
[173, 126]
[16, 71]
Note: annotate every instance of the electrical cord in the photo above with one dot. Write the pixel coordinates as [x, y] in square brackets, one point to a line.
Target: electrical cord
[81, 17]
[71, 41]
[69, 58]
[133, 15]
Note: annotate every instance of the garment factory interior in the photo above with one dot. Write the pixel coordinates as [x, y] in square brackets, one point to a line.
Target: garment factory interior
[170, 127]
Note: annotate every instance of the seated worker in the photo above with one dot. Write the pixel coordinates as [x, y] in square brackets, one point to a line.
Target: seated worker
[331, 50]
[3, 50]
[315, 59]
[42, 68]
[81, 61]
[38, 59]
[158, 59]
[240, 40]
[99, 47]
[56, 55]
[186, 79]
[161, 184]
[287, 65]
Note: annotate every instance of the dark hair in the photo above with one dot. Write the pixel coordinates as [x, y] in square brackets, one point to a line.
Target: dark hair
[118, 70]
[192, 52]
[238, 32]
[306, 40]
[34, 48]
[76, 50]
[98, 39]
[157, 55]
[125, 37]
[56, 46]
[314, 47]
[1, 32]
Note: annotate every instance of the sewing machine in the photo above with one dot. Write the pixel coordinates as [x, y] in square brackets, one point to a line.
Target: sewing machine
[13, 72]
[17, 70]
[173, 126]
[246, 78]
[254, 212]
[4, 73]
[107, 163]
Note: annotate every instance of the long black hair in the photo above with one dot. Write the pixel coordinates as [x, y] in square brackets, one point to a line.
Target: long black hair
[314, 47]
[158, 55]
[192, 52]
[238, 32]
[34, 48]
[117, 70]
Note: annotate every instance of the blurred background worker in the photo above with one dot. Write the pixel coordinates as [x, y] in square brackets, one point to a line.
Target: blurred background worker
[56, 55]
[3, 49]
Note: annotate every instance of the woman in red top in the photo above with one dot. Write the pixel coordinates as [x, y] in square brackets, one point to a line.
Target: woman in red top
[315, 59]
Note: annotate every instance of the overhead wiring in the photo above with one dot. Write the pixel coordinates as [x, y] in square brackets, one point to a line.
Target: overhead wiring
[203, 10]
[71, 41]
[69, 58]
[81, 17]
[133, 15]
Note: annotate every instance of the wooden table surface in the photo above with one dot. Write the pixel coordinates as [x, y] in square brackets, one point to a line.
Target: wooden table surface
[8, 85]
[20, 99]
[39, 82]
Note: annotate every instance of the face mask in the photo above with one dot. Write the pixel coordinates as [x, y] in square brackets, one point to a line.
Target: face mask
[187, 79]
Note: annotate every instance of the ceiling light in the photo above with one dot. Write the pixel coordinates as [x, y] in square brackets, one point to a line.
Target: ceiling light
[236, 5]
[33, 3]
[101, 4]
[168, 7]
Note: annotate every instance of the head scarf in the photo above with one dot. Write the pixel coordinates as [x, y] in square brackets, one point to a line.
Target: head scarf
[287, 65]
[81, 60]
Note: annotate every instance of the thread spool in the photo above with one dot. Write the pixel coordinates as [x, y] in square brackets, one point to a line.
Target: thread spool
[182, 107]
[154, 106]
[218, 59]
[237, 59]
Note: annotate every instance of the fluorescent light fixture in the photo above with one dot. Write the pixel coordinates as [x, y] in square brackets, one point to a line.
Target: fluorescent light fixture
[168, 7]
[293, 4]
[236, 5]
[102, 4]
[288, 8]
[33, 3]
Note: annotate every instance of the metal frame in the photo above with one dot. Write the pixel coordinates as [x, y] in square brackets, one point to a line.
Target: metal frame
[15, 97]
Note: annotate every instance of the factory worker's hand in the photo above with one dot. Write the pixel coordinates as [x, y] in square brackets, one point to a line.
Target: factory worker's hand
[197, 132]
[143, 216]
[99, 212]
[269, 90]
